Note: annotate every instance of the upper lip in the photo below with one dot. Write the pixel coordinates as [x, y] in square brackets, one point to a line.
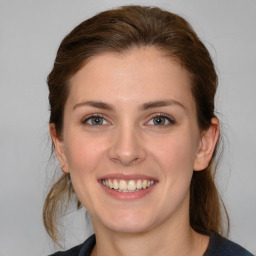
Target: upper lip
[120, 176]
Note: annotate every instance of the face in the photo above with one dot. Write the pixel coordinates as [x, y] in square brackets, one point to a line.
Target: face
[131, 140]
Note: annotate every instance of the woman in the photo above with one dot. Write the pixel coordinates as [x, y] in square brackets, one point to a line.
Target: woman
[135, 132]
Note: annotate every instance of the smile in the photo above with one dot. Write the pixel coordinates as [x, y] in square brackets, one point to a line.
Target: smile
[127, 185]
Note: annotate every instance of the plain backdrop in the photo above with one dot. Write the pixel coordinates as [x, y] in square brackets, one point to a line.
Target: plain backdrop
[30, 33]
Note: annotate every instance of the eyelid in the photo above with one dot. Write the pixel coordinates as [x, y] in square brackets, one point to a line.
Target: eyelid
[170, 119]
[88, 117]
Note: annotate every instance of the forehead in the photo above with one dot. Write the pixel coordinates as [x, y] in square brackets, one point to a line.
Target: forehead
[139, 74]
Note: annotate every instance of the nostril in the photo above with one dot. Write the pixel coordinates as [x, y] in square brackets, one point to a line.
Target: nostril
[126, 160]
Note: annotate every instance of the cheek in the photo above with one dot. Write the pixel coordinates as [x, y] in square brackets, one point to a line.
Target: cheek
[83, 154]
[175, 154]
[83, 157]
[175, 159]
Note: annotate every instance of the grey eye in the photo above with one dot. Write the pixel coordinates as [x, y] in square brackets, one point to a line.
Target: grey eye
[95, 120]
[160, 120]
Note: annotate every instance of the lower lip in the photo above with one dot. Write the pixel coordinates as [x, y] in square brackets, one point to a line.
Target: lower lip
[128, 195]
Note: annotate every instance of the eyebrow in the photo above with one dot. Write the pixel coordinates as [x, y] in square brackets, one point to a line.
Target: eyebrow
[95, 104]
[161, 103]
[143, 107]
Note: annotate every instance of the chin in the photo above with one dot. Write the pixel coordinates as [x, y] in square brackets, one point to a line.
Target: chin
[129, 227]
[129, 222]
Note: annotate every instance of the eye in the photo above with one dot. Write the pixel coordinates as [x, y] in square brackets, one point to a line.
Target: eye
[161, 120]
[95, 120]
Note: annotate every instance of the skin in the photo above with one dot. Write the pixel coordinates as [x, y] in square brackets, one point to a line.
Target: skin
[129, 142]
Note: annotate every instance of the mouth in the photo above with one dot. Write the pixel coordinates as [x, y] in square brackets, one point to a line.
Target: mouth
[124, 186]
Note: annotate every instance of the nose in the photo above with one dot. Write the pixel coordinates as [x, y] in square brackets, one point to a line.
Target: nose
[127, 146]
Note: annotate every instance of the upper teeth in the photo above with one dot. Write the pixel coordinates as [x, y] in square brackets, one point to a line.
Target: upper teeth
[127, 185]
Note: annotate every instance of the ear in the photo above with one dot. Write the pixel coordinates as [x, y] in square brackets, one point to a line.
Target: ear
[207, 145]
[59, 148]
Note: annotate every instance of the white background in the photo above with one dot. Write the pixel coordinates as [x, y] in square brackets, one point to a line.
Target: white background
[30, 33]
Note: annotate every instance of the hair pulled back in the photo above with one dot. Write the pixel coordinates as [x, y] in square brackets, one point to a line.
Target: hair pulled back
[119, 30]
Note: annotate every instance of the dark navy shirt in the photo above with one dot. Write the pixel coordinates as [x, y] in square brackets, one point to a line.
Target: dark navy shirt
[218, 246]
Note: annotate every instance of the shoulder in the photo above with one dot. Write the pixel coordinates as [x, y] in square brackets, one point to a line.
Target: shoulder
[82, 249]
[220, 246]
[71, 252]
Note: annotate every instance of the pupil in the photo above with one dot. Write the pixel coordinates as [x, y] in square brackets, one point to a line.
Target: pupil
[96, 120]
[159, 120]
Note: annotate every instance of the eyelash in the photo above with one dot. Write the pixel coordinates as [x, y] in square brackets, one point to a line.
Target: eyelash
[85, 120]
[168, 118]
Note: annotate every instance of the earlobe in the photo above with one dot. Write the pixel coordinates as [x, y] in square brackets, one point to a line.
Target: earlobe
[207, 145]
[59, 148]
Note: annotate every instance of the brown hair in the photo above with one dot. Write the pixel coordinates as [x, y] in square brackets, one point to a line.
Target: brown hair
[119, 30]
